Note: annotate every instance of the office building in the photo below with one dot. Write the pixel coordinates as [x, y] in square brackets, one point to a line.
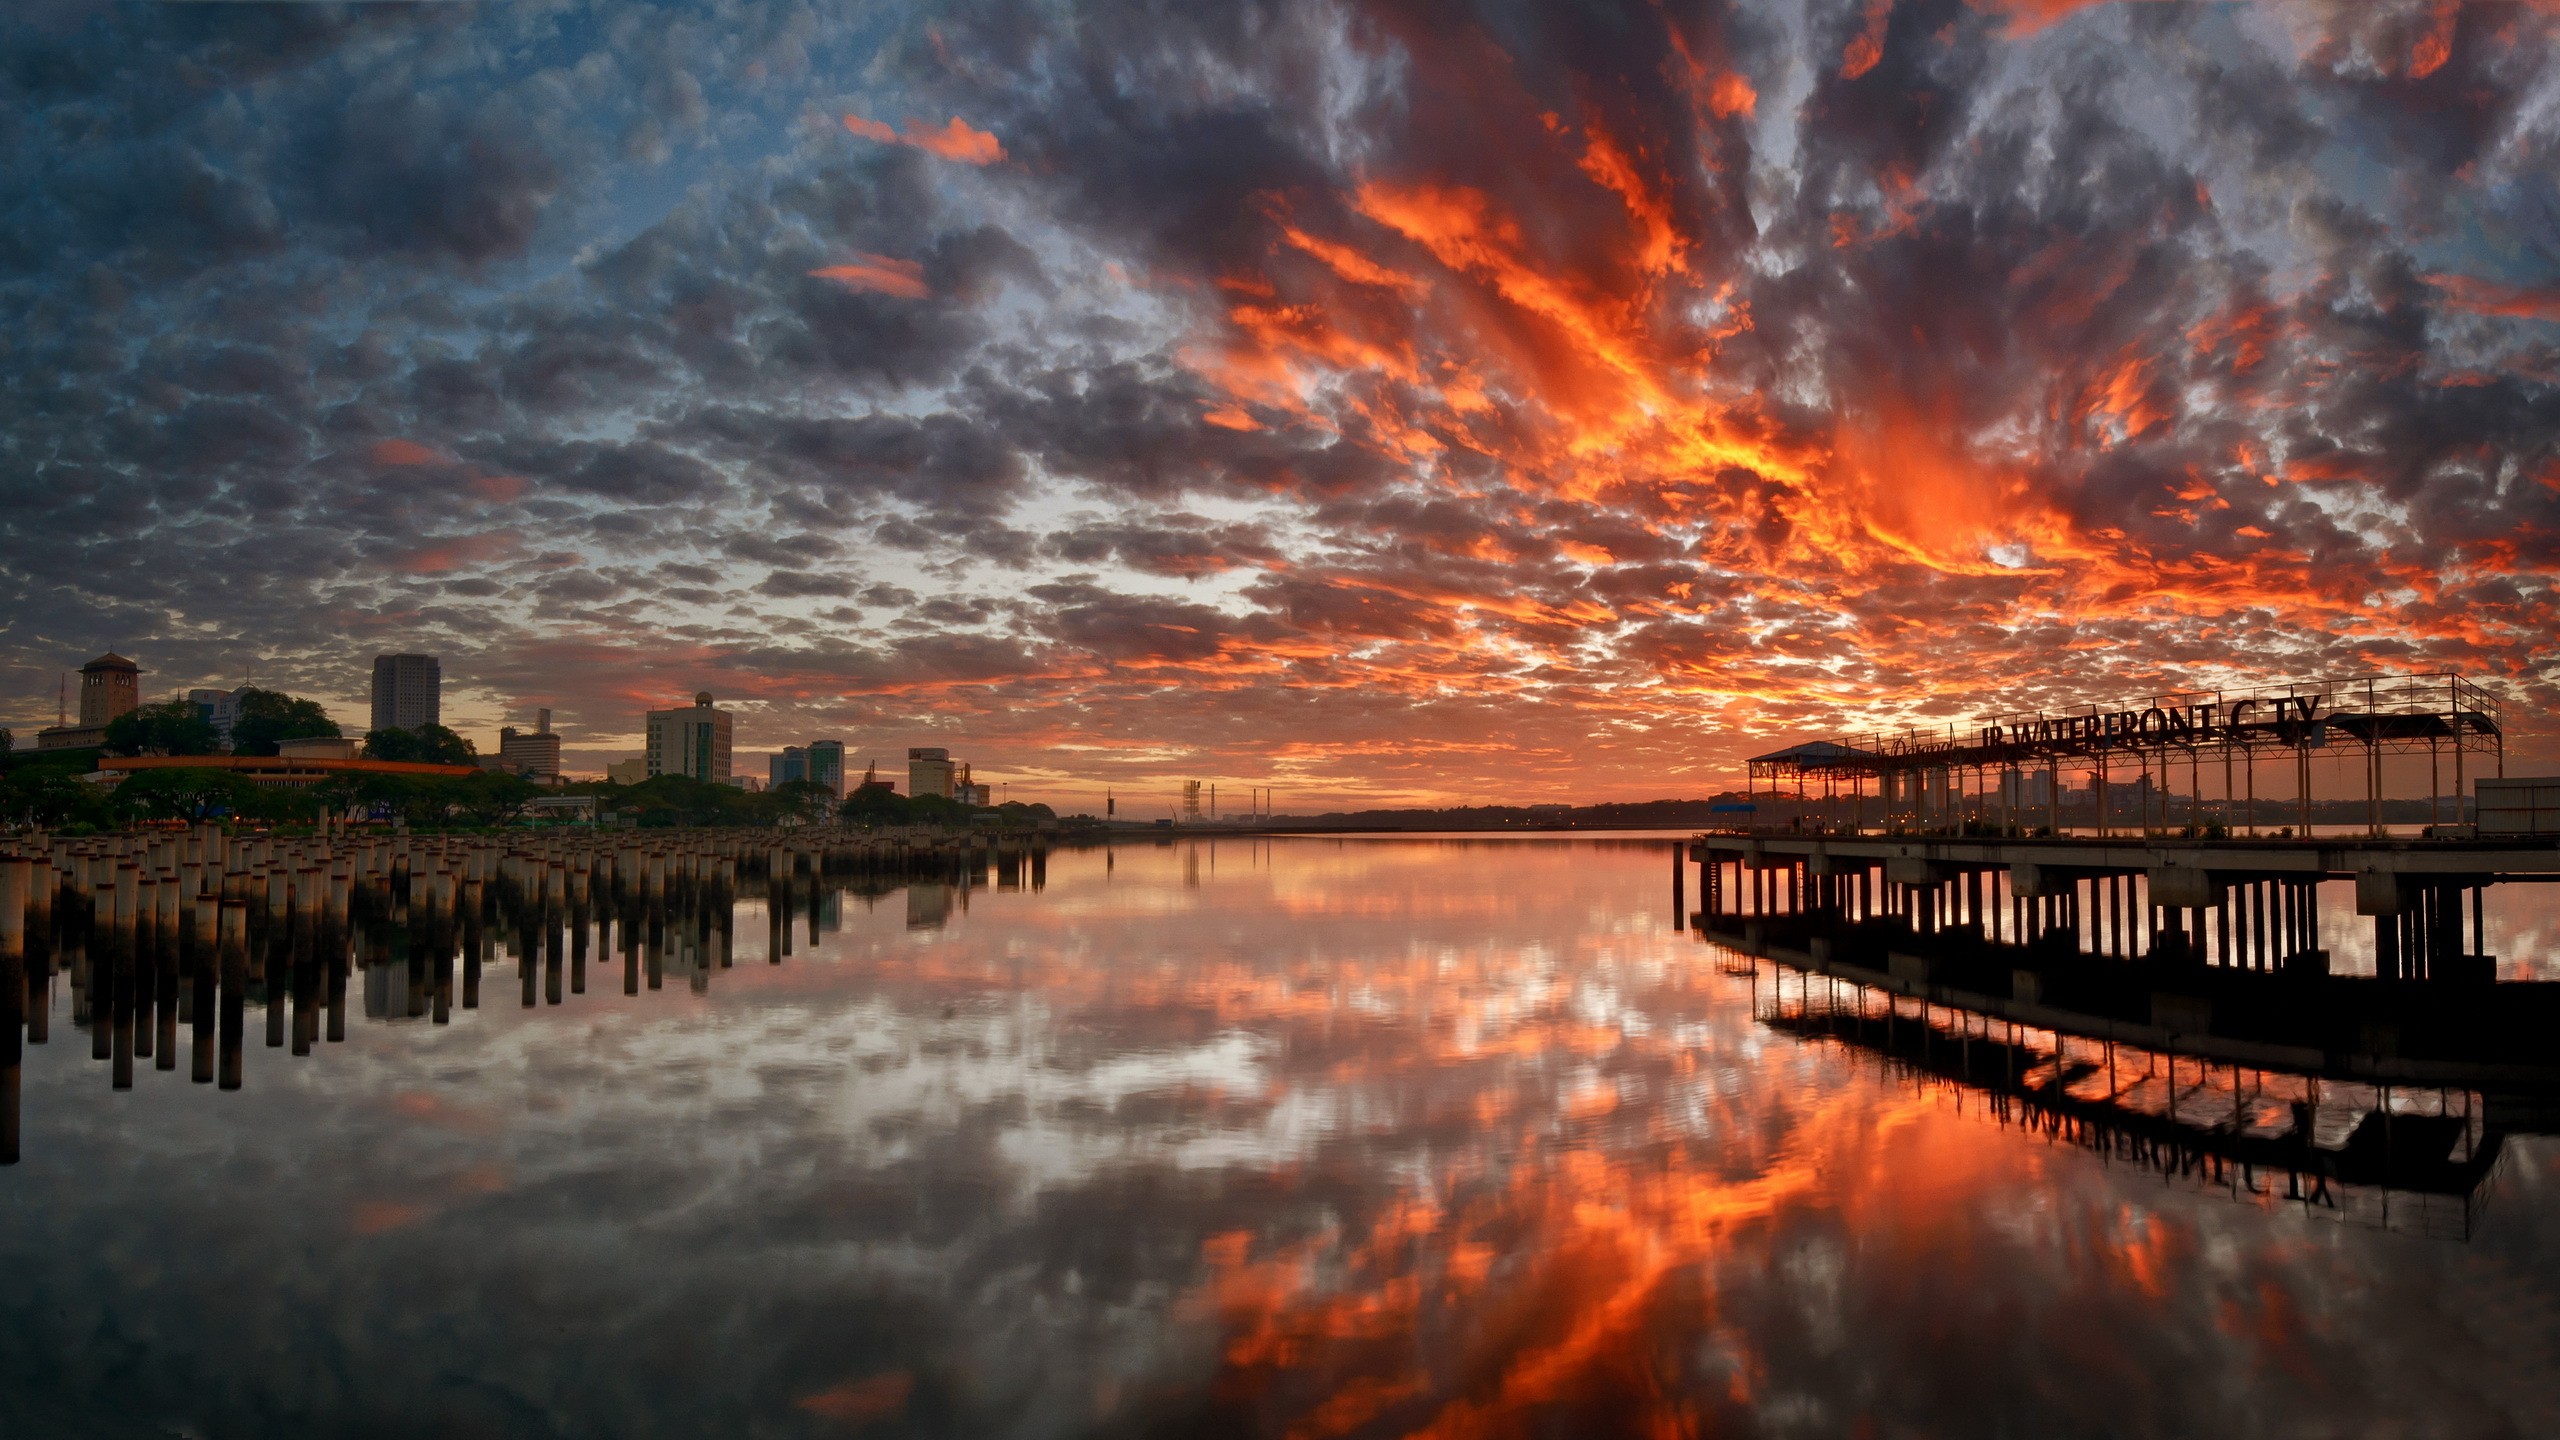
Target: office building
[692, 742]
[533, 754]
[407, 692]
[826, 765]
[790, 765]
[930, 771]
[110, 686]
[217, 708]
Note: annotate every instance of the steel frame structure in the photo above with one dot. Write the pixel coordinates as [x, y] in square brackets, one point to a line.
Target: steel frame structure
[1920, 772]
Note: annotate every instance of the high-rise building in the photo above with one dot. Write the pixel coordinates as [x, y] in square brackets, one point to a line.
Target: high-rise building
[534, 755]
[692, 742]
[407, 692]
[930, 771]
[792, 763]
[826, 765]
[217, 708]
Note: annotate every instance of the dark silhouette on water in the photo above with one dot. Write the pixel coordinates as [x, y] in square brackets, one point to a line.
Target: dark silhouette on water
[154, 932]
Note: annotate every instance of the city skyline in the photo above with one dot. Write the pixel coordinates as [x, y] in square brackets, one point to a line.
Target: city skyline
[1386, 409]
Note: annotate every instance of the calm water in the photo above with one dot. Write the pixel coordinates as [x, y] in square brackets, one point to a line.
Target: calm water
[1289, 1138]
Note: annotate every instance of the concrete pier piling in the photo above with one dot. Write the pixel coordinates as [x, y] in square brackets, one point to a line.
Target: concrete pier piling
[161, 932]
[14, 876]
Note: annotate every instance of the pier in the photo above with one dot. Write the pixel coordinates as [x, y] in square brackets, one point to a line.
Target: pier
[197, 930]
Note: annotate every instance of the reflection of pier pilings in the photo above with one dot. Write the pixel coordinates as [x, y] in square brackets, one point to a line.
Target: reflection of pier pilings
[2402, 1156]
[155, 932]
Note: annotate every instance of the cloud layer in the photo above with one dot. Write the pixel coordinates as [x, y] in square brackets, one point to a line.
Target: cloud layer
[1373, 400]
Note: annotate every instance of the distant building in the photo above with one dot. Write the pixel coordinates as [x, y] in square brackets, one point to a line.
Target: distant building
[748, 783]
[826, 765]
[692, 742]
[219, 709]
[789, 765]
[318, 747]
[628, 772]
[533, 754]
[110, 686]
[288, 770]
[930, 771]
[407, 692]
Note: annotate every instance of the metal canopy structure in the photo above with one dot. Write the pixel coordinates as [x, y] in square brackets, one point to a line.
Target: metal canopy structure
[1928, 775]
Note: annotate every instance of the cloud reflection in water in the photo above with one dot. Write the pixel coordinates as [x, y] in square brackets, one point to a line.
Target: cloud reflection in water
[1299, 1138]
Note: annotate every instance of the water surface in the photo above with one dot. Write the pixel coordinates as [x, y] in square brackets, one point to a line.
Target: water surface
[1297, 1137]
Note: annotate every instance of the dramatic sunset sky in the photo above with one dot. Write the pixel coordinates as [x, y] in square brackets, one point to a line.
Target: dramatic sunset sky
[1378, 400]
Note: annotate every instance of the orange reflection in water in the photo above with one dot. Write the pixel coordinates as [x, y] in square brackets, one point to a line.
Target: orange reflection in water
[1565, 1163]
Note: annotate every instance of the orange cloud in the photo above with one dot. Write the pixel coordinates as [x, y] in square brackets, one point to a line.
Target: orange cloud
[498, 489]
[1865, 49]
[859, 1402]
[439, 556]
[2489, 297]
[378, 1217]
[955, 139]
[902, 278]
[1732, 95]
[404, 452]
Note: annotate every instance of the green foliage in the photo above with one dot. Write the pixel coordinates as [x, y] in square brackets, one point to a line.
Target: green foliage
[54, 797]
[186, 793]
[871, 806]
[427, 744]
[172, 727]
[268, 718]
[481, 800]
[804, 800]
[668, 800]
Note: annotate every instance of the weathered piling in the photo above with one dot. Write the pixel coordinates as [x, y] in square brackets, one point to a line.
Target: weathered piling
[14, 874]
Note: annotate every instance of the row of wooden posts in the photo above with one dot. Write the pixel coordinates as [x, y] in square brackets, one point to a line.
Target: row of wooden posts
[159, 928]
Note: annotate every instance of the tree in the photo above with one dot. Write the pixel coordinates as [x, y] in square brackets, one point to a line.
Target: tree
[873, 805]
[428, 744]
[489, 798]
[184, 793]
[172, 727]
[804, 800]
[269, 717]
[52, 797]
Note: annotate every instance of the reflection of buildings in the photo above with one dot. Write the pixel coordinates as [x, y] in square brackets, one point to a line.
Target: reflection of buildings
[692, 742]
[928, 905]
[407, 692]
[110, 686]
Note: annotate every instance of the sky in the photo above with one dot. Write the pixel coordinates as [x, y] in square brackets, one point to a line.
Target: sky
[1381, 401]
